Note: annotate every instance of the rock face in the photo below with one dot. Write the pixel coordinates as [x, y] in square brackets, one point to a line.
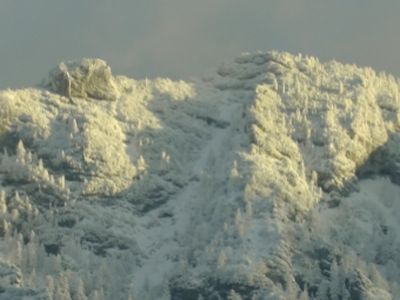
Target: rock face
[88, 78]
[277, 178]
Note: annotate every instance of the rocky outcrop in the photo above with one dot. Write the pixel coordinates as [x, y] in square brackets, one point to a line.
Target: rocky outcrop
[88, 78]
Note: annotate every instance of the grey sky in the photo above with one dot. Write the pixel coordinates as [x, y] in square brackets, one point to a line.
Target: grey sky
[183, 38]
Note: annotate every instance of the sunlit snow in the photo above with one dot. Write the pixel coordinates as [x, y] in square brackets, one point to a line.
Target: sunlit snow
[277, 177]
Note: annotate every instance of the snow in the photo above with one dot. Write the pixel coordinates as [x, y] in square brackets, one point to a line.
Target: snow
[164, 238]
[373, 212]
[275, 178]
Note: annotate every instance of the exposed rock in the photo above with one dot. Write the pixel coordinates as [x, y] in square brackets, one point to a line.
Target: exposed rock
[88, 78]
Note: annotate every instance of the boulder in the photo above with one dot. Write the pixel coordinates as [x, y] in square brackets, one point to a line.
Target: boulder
[87, 78]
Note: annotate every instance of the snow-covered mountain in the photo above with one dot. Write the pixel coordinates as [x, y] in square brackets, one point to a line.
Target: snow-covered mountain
[276, 178]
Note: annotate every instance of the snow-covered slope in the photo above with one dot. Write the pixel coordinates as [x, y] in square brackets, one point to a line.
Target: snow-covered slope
[276, 178]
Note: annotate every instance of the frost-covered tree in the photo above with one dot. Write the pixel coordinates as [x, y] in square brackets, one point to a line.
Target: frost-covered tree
[50, 287]
[73, 126]
[222, 260]
[62, 288]
[335, 286]
[377, 279]
[61, 182]
[3, 204]
[234, 296]
[21, 152]
[303, 295]
[79, 293]
[32, 279]
[4, 227]
[141, 165]
[96, 295]
[6, 161]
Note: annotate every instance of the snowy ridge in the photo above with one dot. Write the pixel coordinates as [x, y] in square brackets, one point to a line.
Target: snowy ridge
[277, 178]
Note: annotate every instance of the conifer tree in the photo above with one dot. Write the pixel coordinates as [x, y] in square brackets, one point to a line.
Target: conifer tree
[62, 291]
[234, 296]
[21, 152]
[3, 204]
[50, 287]
[80, 291]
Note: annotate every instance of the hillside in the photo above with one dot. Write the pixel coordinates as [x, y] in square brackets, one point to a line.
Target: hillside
[277, 177]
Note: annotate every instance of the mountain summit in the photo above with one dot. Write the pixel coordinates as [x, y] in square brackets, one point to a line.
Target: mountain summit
[278, 177]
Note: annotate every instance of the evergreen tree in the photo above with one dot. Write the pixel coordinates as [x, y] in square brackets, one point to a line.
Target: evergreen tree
[73, 126]
[3, 204]
[80, 291]
[234, 296]
[304, 295]
[62, 291]
[31, 279]
[50, 287]
[21, 152]
[376, 278]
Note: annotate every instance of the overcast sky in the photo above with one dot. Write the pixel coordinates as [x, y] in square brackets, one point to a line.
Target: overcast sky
[184, 38]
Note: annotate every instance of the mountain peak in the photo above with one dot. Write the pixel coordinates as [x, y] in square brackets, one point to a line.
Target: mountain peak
[264, 182]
